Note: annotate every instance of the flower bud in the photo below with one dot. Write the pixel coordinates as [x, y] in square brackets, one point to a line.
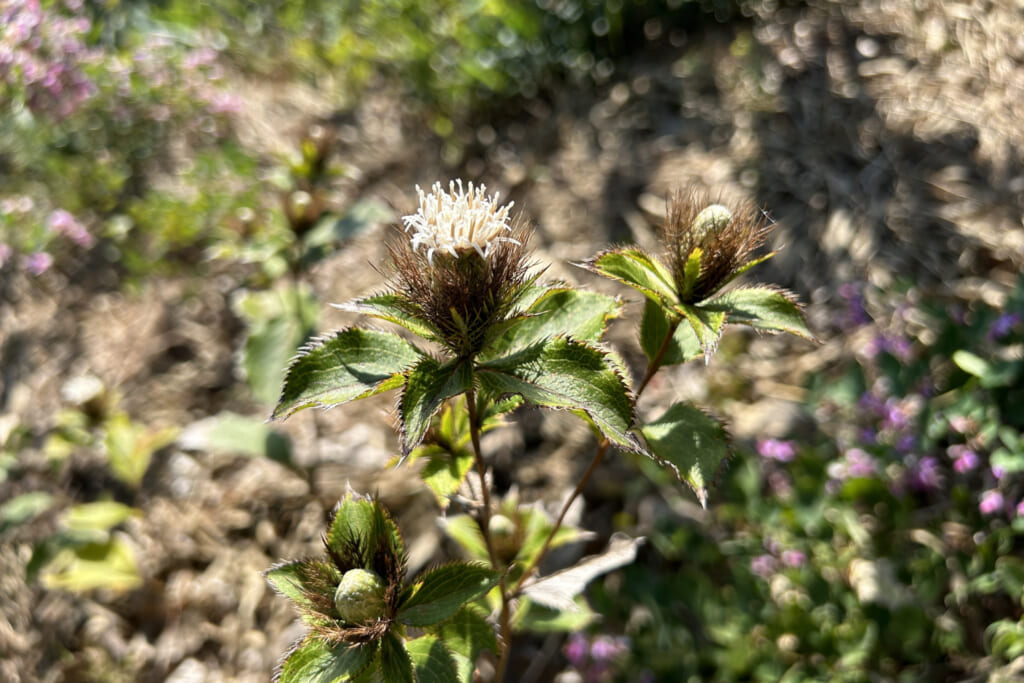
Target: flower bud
[502, 527]
[360, 597]
[712, 219]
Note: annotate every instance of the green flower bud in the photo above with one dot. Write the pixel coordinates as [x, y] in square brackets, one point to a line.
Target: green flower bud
[502, 527]
[360, 597]
[712, 219]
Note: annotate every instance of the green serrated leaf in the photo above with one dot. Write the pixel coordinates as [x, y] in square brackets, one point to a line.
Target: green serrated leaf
[431, 660]
[762, 308]
[564, 373]
[395, 664]
[428, 385]
[439, 593]
[706, 324]
[467, 634]
[638, 270]
[359, 529]
[316, 661]
[345, 366]
[464, 530]
[395, 309]
[693, 445]
[557, 312]
[297, 580]
[654, 327]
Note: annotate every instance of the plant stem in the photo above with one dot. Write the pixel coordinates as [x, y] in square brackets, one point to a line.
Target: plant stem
[602, 450]
[504, 641]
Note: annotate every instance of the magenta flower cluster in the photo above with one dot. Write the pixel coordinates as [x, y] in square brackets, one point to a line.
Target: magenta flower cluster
[593, 656]
[43, 55]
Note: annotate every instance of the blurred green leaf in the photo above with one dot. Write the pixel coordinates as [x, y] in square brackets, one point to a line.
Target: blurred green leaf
[279, 321]
[236, 434]
[24, 508]
[100, 516]
[110, 565]
[464, 530]
[131, 446]
[560, 589]
[534, 618]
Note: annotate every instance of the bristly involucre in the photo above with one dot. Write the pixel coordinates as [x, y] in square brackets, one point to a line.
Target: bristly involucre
[472, 272]
[727, 238]
[457, 220]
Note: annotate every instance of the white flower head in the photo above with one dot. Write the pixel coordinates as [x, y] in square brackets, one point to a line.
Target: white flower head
[456, 220]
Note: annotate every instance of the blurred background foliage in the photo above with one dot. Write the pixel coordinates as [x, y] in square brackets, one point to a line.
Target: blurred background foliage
[879, 540]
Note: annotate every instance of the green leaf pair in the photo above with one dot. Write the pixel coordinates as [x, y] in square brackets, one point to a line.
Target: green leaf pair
[545, 354]
[668, 303]
[363, 538]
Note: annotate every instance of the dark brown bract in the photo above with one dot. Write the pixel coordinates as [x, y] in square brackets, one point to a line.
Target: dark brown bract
[464, 295]
[725, 248]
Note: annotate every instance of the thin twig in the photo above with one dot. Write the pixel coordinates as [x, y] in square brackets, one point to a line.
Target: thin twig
[602, 450]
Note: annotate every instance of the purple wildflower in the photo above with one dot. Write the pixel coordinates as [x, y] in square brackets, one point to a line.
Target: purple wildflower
[763, 566]
[855, 314]
[960, 424]
[780, 483]
[998, 472]
[1003, 325]
[606, 648]
[859, 463]
[991, 502]
[38, 263]
[925, 475]
[1020, 509]
[869, 403]
[794, 558]
[895, 416]
[776, 449]
[576, 650]
[63, 223]
[906, 444]
[964, 459]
